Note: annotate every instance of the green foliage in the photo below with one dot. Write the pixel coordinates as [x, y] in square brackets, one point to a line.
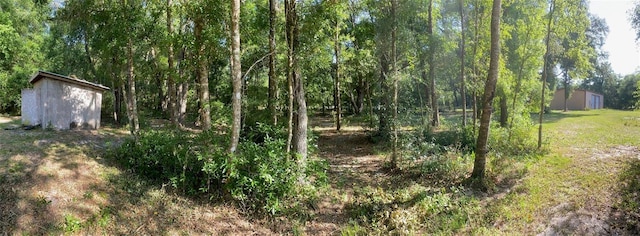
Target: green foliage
[459, 138]
[71, 224]
[514, 142]
[261, 176]
[412, 210]
[175, 157]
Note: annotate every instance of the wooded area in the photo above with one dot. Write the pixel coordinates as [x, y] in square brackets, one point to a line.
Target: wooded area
[241, 81]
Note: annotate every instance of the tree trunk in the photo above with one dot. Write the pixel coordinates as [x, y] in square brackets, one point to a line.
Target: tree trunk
[290, 25]
[567, 90]
[336, 90]
[236, 75]
[171, 84]
[463, 84]
[202, 75]
[299, 132]
[273, 80]
[300, 147]
[489, 93]
[132, 104]
[182, 91]
[117, 104]
[394, 75]
[435, 120]
[504, 110]
[474, 66]
[360, 92]
[425, 82]
[544, 71]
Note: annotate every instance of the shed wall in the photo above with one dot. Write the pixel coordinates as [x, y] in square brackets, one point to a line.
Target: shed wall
[579, 100]
[29, 108]
[68, 106]
[576, 100]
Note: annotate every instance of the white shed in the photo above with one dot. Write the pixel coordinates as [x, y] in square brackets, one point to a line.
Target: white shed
[62, 102]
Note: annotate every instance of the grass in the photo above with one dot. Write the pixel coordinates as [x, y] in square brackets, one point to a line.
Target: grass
[591, 169]
[62, 184]
[581, 173]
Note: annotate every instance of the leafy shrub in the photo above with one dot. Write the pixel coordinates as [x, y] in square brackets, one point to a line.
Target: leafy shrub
[460, 138]
[171, 156]
[261, 176]
[517, 141]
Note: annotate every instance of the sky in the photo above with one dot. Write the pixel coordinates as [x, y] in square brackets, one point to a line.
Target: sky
[624, 52]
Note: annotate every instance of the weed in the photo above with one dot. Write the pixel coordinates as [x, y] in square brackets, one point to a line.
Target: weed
[71, 224]
[42, 202]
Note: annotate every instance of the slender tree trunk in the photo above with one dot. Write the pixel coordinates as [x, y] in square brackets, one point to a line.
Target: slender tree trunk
[171, 84]
[299, 132]
[273, 79]
[567, 90]
[360, 96]
[132, 103]
[462, 64]
[291, 24]
[489, 93]
[427, 94]
[92, 67]
[336, 90]
[236, 74]
[394, 75]
[474, 65]
[159, 81]
[202, 74]
[384, 128]
[435, 120]
[504, 110]
[544, 71]
[182, 90]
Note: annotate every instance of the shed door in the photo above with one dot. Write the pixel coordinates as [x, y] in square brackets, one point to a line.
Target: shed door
[595, 101]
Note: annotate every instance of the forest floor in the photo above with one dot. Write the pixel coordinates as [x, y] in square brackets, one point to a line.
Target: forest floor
[54, 182]
[353, 163]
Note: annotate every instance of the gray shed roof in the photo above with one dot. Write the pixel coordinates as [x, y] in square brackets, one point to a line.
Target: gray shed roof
[43, 74]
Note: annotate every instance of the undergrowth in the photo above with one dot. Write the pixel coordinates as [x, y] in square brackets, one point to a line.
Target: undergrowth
[261, 177]
[428, 194]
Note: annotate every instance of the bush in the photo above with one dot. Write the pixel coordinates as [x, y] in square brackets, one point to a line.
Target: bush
[459, 138]
[260, 175]
[518, 141]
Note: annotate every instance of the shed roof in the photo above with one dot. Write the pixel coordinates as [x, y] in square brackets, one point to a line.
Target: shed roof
[562, 89]
[44, 74]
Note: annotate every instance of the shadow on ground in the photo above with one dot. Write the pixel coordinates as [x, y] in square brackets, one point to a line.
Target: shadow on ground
[54, 182]
[625, 214]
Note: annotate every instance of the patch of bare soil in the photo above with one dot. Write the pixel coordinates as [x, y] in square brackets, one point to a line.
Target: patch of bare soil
[352, 164]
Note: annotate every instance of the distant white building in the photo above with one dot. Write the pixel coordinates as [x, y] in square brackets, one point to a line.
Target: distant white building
[62, 102]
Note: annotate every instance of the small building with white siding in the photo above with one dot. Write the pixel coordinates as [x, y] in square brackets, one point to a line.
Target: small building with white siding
[62, 102]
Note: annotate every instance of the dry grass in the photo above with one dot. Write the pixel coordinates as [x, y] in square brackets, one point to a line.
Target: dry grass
[54, 182]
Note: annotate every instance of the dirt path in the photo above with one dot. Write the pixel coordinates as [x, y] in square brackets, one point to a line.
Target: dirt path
[353, 164]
